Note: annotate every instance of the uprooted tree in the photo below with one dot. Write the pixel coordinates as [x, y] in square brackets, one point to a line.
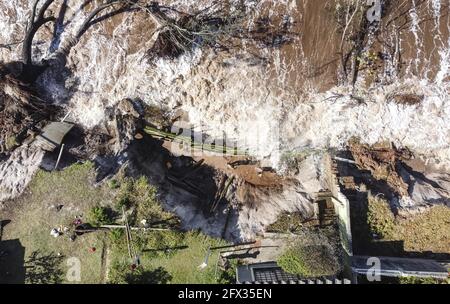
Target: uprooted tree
[21, 107]
[39, 17]
[222, 26]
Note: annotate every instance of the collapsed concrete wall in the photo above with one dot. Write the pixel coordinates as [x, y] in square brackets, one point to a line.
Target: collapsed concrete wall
[341, 204]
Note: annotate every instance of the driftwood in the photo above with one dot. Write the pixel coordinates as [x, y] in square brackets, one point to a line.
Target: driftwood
[221, 192]
[37, 20]
[218, 26]
[185, 185]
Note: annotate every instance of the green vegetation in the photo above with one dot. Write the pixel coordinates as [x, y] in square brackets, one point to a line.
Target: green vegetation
[143, 197]
[181, 261]
[35, 215]
[428, 231]
[99, 215]
[11, 142]
[140, 199]
[122, 273]
[308, 261]
[422, 281]
[70, 186]
[122, 199]
[287, 222]
[44, 269]
[158, 243]
[114, 184]
[228, 272]
[380, 218]
[166, 256]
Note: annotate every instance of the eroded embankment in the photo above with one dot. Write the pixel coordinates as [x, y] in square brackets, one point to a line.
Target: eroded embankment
[269, 100]
[278, 101]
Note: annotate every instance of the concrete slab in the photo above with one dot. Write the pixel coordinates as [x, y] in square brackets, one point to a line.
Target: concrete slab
[53, 134]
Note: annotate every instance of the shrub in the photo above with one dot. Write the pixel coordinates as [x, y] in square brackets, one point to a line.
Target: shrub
[117, 235]
[422, 281]
[380, 217]
[148, 207]
[123, 200]
[287, 222]
[99, 215]
[143, 197]
[308, 261]
[227, 275]
[113, 184]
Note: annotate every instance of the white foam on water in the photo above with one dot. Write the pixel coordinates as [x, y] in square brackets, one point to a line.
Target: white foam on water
[244, 101]
[256, 105]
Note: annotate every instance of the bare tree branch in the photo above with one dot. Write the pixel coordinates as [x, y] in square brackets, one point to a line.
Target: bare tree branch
[33, 26]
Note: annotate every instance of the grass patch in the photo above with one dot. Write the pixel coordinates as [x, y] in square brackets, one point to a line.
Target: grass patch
[35, 214]
[180, 262]
[122, 273]
[166, 256]
[428, 231]
[308, 261]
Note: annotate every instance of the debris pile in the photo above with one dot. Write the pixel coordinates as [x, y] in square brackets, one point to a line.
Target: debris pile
[407, 182]
[382, 162]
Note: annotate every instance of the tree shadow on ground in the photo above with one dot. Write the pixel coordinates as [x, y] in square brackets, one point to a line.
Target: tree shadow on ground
[44, 268]
[156, 276]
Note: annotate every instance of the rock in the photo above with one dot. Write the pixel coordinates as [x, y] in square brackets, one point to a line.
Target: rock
[127, 107]
[120, 128]
[18, 169]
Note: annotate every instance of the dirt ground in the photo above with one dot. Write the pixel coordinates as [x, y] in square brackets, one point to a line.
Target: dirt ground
[251, 174]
